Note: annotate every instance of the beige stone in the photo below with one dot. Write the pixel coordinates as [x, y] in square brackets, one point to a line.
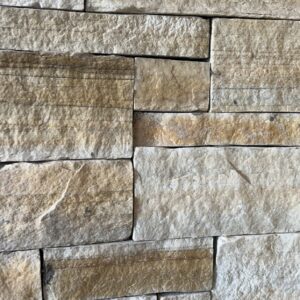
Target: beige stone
[61, 106]
[171, 85]
[192, 296]
[210, 191]
[20, 275]
[255, 66]
[65, 203]
[258, 267]
[186, 129]
[149, 297]
[125, 269]
[22, 29]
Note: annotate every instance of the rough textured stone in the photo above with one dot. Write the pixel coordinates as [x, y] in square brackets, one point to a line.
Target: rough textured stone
[258, 267]
[215, 191]
[42, 30]
[196, 296]
[150, 297]
[167, 129]
[255, 65]
[61, 106]
[64, 203]
[125, 269]
[171, 85]
[20, 275]
[287, 9]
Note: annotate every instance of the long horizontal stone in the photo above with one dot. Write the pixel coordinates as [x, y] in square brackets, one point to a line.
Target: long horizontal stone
[258, 267]
[171, 85]
[125, 269]
[61, 106]
[194, 192]
[149, 297]
[187, 129]
[255, 65]
[22, 29]
[65, 203]
[20, 276]
[192, 296]
[286, 9]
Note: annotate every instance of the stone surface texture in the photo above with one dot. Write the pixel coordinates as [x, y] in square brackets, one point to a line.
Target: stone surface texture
[149, 297]
[191, 296]
[116, 270]
[187, 129]
[258, 267]
[65, 203]
[171, 85]
[255, 65]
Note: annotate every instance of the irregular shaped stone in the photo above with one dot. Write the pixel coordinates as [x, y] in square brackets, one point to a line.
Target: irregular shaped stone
[258, 267]
[137, 298]
[196, 296]
[285, 9]
[255, 66]
[194, 192]
[125, 269]
[171, 85]
[65, 203]
[61, 106]
[167, 129]
[61, 31]
[20, 276]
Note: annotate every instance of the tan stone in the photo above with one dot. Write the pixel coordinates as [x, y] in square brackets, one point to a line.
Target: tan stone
[20, 275]
[125, 269]
[193, 296]
[61, 106]
[22, 29]
[167, 129]
[171, 85]
[65, 203]
[255, 66]
[150, 297]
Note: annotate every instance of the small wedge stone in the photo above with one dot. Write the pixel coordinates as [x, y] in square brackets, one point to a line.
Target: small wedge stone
[192, 296]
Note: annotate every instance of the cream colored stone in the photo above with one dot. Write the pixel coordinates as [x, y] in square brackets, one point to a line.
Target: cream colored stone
[194, 192]
[258, 267]
[22, 29]
[61, 106]
[65, 203]
[186, 129]
[137, 298]
[255, 66]
[20, 276]
[171, 85]
[125, 269]
[193, 296]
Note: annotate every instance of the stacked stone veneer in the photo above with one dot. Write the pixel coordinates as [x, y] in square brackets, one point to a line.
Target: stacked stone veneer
[149, 149]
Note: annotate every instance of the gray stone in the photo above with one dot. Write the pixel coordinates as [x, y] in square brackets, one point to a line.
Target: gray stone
[192, 296]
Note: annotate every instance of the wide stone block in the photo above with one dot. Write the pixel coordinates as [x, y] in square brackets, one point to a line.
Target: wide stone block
[191, 296]
[149, 297]
[65, 203]
[125, 269]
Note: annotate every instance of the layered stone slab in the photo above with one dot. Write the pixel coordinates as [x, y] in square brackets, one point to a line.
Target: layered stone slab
[171, 85]
[258, 267]
[191, 296]
[20, 276]
[286, 9]
[65, 203]
[125, 269]
[194, 192]
[255, 66]
[187, 129]
[22, 29]
[61, 106]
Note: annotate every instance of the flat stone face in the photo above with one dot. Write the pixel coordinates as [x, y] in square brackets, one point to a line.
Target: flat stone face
[136, 298]
[22, 29]
[255, 66]
[215, 191]
[171, 85]
[186, 129]
[258, 267]
[192, 296]
[125, 269]
[65, 203]
[20, 276]
[61, 106]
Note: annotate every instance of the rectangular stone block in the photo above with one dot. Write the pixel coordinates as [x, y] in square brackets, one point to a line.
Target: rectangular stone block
[149, 297]
[192, 296]
[187, 129]
[171, 85]
[61, 31]
[255, 65]
[258, 267]
[62, 106]
[65, 203]
[125, 269]
[194, 192]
